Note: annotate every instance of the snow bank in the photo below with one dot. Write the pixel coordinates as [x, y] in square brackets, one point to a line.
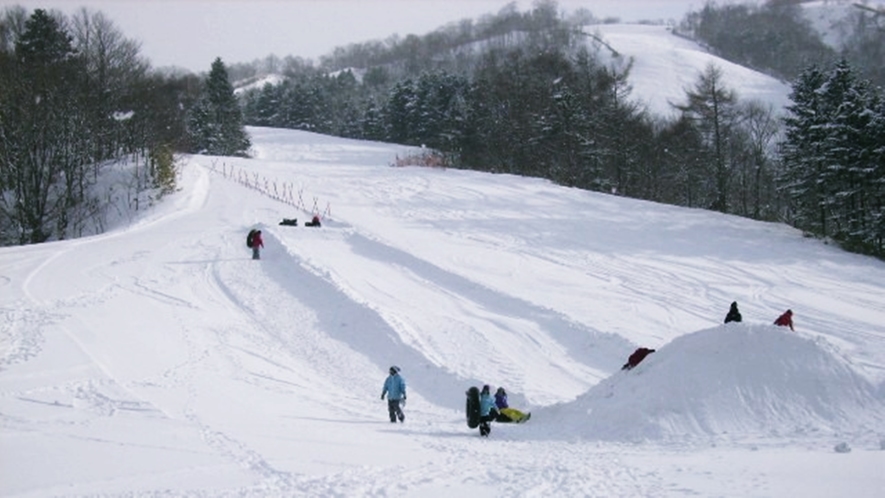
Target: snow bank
[735, 379]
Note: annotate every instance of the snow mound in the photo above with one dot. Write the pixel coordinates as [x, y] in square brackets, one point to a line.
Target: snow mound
[736, 379]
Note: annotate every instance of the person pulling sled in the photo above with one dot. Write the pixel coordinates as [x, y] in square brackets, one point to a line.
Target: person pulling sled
[487, 411]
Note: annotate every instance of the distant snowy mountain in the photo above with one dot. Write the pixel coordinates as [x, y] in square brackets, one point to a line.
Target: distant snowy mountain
[665, 65]
[258, 82]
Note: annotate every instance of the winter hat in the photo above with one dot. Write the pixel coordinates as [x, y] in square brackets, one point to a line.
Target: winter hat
[394, 369]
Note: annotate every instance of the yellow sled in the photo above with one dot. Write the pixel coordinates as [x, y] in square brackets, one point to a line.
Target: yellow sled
[506, 415]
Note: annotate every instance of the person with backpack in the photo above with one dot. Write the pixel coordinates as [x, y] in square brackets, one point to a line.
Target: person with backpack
[254, 241]
[785, 320]
[733, 314]
[395, 390]
[487, 411]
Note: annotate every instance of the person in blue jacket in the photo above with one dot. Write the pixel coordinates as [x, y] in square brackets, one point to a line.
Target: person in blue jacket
[487, 411]
[395, 390]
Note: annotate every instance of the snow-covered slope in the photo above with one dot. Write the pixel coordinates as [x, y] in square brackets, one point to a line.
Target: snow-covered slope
[159, 359]
[258, 83]
[666, 65]
[733, 379]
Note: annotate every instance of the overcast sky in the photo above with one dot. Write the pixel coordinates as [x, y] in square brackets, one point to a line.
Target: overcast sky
[191, 33]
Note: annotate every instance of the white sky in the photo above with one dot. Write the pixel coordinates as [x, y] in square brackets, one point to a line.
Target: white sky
[192, 33]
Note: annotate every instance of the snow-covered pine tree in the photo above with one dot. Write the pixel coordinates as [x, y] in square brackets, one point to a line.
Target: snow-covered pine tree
[801, 152]
[216, 122]
[833, 157]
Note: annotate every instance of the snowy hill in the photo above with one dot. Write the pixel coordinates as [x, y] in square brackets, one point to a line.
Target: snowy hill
[159, 359]
[733, 379]
[666, 65]
[258, 82]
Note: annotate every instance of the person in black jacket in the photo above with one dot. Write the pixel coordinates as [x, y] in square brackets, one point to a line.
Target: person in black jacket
[637, 357]
[733, 314]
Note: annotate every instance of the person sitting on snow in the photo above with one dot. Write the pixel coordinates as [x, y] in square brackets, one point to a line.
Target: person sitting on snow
[733, 314]
[505, 413]
[314, 222]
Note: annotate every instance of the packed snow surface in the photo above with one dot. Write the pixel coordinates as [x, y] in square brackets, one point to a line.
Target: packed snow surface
[160, 359]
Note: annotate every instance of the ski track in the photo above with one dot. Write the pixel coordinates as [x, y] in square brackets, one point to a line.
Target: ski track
[431, 340]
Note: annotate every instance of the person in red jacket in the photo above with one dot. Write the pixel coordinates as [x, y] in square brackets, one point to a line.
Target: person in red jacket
[785, 320]
[257, 244]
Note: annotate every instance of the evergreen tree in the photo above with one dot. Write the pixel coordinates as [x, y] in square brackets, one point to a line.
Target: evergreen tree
[712, 108]
[372, 122]
[216, 122]
[402, 105]
[875, 236]
[39, 125]
[833, 157]
[844, 151]
[263, 106]
[801, 152]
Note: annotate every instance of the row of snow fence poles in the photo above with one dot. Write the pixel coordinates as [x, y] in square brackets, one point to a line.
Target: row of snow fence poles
[287, 197]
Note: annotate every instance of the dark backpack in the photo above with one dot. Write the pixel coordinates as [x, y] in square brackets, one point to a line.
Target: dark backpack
[249, 238]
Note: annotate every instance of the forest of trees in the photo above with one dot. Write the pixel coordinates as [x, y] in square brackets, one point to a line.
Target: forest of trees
[76, 101]
[746, 33]
[541, 104]
[531, 98]
[833, 157]
[517, 92]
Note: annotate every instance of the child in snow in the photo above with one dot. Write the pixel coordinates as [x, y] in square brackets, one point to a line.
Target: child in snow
[487, 411]
[505, 413]
[733, 314]
[395, 389]
[257, 243]
[785, 320]
[637, 357]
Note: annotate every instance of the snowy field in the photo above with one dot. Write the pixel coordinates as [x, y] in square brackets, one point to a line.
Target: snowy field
[159, 359]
